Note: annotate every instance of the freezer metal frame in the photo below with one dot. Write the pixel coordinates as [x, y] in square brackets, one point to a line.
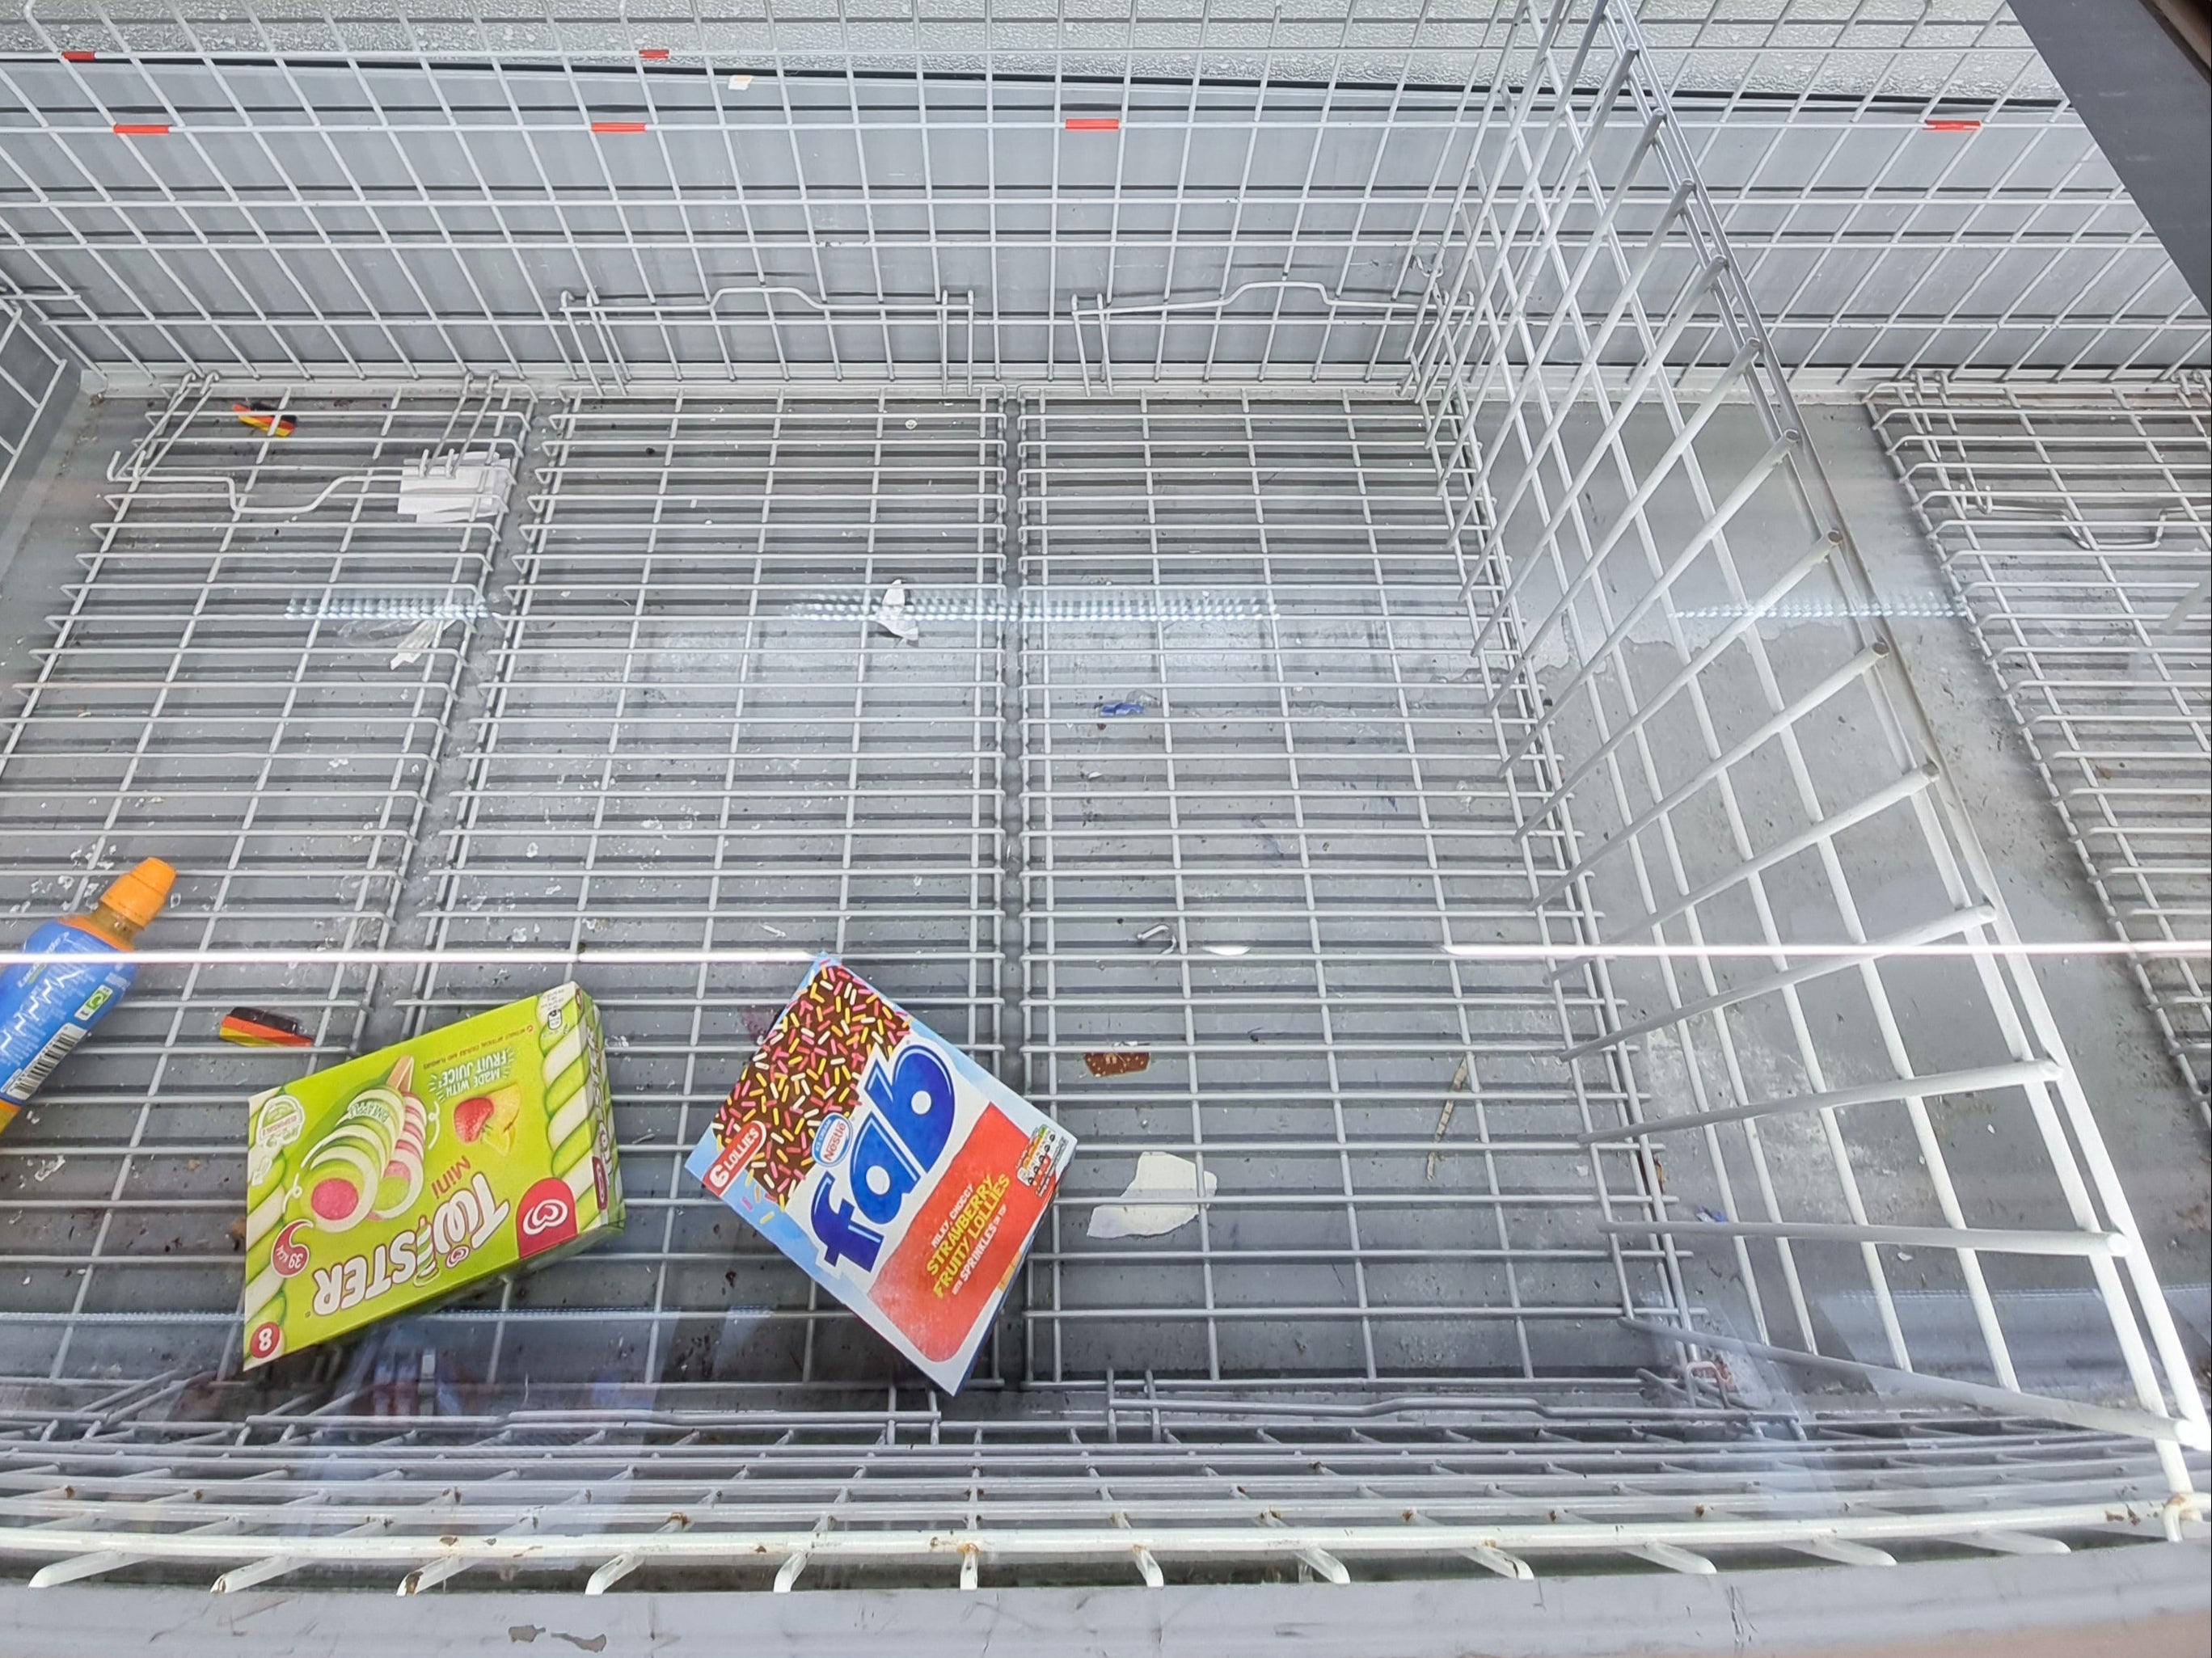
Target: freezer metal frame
[1706, 916]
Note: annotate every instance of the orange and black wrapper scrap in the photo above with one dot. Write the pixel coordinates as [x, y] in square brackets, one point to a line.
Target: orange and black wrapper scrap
[264, 420]
[251, 1027]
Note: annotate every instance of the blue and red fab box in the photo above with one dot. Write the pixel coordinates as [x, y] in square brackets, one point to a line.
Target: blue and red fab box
[902, 1177]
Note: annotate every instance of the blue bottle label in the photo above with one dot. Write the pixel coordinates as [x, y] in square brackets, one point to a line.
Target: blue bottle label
[46, 1007]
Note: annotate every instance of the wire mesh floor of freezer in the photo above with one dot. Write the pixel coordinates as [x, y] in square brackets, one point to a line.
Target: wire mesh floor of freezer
[1191, 759]
[1197, 769]
[1467, 803]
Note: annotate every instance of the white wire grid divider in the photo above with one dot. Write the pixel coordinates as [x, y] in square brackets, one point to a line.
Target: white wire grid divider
[2074, 526]
[1261, 803]
[1717, 771]
[231, 683]
[33, 372]
[695, 740]
[832, 193]
[1955, 47]
[1284, 710]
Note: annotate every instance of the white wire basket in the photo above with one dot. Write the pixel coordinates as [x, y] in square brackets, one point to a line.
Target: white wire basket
[1432, 710]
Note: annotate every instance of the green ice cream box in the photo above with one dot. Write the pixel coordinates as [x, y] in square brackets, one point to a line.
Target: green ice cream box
[405, 1175]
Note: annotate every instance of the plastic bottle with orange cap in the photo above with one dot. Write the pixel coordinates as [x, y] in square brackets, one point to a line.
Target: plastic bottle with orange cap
[46, 1007]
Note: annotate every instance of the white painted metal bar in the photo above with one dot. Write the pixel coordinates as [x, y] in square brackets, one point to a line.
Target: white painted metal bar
[2105, 1418]
[1284, 1543]
[1956, 1082]
[2007, 1240]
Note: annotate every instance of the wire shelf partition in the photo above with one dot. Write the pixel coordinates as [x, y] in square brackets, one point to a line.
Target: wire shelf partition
[230, 682]
[693, 737]
[830, 194]
[1365, 715]
[2075, 525]
[1250, 868]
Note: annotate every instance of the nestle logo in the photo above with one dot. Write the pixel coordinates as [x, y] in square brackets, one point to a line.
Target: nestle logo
[735, 1156]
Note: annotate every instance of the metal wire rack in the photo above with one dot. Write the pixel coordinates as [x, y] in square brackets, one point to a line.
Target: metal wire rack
[821, 192]
[1262, 800]
[2075, 525]
[693, 737]
[1635, 1126]
[229, 679]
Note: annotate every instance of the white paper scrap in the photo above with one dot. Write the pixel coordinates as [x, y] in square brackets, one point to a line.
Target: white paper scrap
[893, 615]
[455, 488]
[420, 638]
[1164, 1194]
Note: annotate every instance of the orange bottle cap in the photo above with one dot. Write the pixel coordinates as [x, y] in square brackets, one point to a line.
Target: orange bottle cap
[138, 897]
